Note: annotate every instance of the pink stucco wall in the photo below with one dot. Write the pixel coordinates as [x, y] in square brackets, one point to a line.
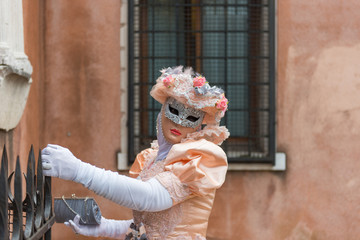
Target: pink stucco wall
[318, 126]
[75, 102]
[82, 91]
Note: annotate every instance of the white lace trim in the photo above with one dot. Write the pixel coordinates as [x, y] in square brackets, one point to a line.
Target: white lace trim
[163, 222]
[178, 191]
[154, 145]
[212, 133]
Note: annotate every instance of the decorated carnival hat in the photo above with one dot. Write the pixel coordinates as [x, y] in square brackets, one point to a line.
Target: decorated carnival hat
[192, 90]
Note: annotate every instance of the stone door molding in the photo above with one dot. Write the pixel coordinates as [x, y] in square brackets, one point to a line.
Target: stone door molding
[15, 68]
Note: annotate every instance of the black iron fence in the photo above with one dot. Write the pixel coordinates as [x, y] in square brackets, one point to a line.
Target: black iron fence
[32, 217]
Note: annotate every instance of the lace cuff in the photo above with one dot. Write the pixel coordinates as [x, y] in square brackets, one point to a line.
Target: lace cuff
[212, 133]
[178, 191]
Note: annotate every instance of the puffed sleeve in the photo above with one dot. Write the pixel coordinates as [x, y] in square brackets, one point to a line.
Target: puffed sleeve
[193, 168]
[139, 162]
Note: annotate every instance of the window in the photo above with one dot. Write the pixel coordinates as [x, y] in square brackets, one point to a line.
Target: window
[231, 42]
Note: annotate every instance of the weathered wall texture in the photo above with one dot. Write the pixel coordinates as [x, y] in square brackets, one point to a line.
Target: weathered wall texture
[81, 93]
[75, 102]
[318, 116]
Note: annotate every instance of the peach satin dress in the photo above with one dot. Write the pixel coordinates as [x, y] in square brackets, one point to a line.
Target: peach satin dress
[191, 172]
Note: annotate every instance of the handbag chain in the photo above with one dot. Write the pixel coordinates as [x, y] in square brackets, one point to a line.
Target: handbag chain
[72, 210]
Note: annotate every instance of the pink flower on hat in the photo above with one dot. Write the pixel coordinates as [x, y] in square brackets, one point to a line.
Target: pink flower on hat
[222, 104]
[168, 81]
[199, 81]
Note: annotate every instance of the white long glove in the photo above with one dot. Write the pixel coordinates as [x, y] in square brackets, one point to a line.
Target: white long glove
[128, 192]
[59, 162]
[107, 228]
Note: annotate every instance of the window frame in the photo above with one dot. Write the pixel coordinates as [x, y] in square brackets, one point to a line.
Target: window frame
[259, 161]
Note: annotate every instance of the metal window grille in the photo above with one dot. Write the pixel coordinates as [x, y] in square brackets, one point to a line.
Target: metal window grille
[231, 42]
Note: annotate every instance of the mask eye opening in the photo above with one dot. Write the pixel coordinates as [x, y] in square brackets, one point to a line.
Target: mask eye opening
[174, 111]
[192, 118]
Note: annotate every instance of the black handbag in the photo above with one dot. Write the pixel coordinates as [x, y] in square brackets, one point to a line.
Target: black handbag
[67, 208]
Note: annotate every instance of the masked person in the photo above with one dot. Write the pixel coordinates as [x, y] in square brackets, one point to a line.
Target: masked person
[172, 185]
